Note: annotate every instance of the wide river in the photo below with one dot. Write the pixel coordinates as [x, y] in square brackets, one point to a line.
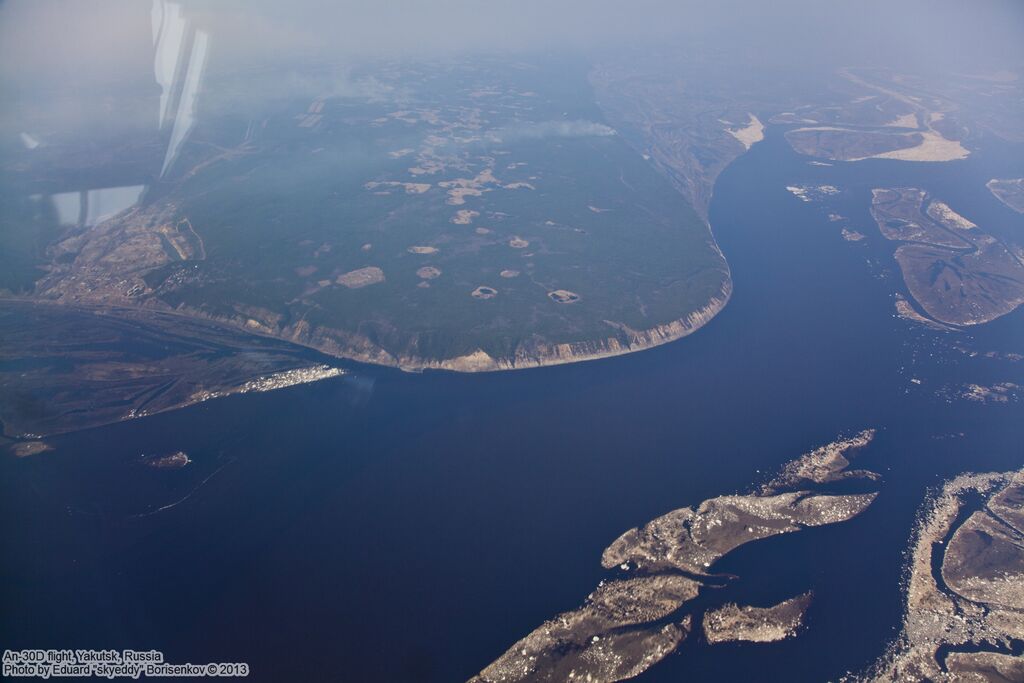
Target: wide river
[398, 527]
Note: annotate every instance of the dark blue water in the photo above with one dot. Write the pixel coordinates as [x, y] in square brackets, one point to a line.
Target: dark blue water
[393, 527]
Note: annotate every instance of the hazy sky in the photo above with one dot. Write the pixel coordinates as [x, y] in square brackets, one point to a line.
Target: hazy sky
[48, 41]
[68, 65]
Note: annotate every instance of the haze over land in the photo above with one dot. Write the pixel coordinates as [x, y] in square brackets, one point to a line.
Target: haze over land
[95, 41]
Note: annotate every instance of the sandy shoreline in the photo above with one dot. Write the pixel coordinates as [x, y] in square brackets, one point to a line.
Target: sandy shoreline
[347, 346]
[540, 355]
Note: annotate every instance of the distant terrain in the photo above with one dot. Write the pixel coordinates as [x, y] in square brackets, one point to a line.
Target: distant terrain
[884, 114]
[684, 116]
